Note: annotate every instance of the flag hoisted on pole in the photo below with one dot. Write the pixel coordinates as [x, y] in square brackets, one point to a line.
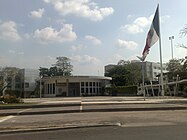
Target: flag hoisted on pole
[152, 37]
[153, 34]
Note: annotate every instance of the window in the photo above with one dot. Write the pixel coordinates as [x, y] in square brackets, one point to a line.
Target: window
[90, 84]
[53, 88]
[27, 85]
[97, 84]
[86, 83]
[86, 90]
[82, 90]
[17, 79]
[82, 84]
[18, 86]
[50, 89]
[93, 90]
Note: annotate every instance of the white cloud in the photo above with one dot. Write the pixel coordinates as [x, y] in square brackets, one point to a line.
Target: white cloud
[126, 44]
[8, 31]
[81, 8]
[165, 18]
[47, 1]
[51, 35]
[85, 59]
[137, 26]
[21, 53]
[93, 39]
[78, 48]
[140, 23]
[12, 51]
[117, 57]
[15, 52]
[37, 14]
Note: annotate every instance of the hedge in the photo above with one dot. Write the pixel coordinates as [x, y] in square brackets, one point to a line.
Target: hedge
[10, 99]
[122, 90]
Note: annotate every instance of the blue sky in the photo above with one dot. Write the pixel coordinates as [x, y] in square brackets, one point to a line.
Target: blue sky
[93, 33]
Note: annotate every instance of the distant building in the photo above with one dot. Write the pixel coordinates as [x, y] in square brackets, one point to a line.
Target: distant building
[151, 69]
[21, 82]
[30, 76]
[74, 85]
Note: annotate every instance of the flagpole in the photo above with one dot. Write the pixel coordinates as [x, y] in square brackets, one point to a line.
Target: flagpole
[143, 81]
[161, 67]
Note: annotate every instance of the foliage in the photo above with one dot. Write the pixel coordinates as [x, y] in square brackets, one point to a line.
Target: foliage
[177, 65]
[184, 64]
[183, 31]
[174, 65]
[123, 62]
[122, 90]
[10, 99]
[6, 75]
[62, 67]
[128, 74]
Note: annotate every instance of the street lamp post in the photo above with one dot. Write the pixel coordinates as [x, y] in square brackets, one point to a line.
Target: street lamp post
[171, 38]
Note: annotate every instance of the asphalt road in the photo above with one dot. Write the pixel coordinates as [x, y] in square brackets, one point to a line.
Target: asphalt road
[127, 119]
[173, 132]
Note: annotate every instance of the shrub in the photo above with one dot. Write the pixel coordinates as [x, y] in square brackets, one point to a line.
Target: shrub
[122, 90]
[10, 99]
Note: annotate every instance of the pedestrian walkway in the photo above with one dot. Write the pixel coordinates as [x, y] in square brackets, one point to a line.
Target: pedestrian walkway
[95, 104]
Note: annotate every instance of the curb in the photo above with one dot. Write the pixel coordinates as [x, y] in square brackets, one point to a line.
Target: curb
[39, 106]
[67, 105]
[54, 128]
[94, 110]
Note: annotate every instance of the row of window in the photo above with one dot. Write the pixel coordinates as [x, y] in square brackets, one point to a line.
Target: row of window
[90, 90]
[159, 68]
[91, 84]
[50, 88]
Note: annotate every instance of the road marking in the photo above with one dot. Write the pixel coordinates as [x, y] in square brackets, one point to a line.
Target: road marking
[24, 110]
[81, 108]
[6, 118]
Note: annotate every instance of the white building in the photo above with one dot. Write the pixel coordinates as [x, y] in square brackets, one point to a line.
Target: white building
[30, 76]
[151, 69]
[74, 85]
[21, 82]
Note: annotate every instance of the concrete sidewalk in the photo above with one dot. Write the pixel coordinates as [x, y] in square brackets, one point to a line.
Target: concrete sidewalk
[93, 104]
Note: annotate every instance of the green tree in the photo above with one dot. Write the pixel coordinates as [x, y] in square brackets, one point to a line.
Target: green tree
[119, 75]
[124, 75]
[6, 76]
[62, 67]
[134, 75]
[184, 64]
[174, 65]
[44, 72]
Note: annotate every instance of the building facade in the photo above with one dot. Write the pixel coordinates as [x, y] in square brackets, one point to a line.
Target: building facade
[151, 69]
[30, 78]
[21, 82]
[74, 85]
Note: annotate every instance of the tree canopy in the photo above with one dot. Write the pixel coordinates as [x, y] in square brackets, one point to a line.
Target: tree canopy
[177, 65]
[125, 74]
[62, 67]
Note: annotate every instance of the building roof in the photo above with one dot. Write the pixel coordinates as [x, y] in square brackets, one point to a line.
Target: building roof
[89, 77]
